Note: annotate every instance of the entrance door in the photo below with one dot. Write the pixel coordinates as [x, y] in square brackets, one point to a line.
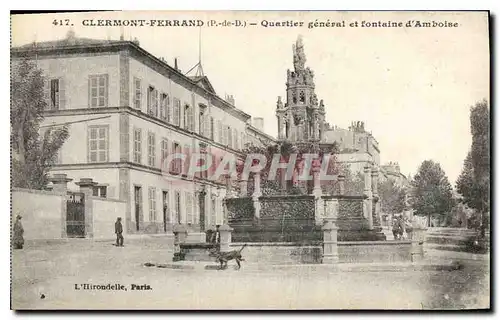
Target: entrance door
[166, 213]
[201, 203]
[138, 203]
[75, 215]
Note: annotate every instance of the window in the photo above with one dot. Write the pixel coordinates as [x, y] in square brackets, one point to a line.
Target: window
[219, 129]
[189, 208]
[213, 212]
[177, 112]
[98, 91]
[152, 101]
[235, 139]
[187, 152]
[212, 128]
[166, 212]
[152, 203]
[177, 207]
[227, 136]
[243, 140]
[229, 141]
[302, 97]
[177, 163]
[99, 191]
[137, 145]
[164, 150]
[168, 109]
[163, 107]
[98, 144]
[137, 93]
[54, 94]
[202, 119]
[188, 118]
[204, 160]
[151, 149]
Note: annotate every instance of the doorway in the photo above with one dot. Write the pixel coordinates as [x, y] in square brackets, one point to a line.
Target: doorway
[201, 203]
[166, 214]
[138, 205]
[75, 215]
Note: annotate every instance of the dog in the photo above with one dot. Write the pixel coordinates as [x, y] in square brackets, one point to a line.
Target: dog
[224, 257]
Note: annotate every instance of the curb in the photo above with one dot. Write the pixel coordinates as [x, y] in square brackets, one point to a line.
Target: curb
[341, 267]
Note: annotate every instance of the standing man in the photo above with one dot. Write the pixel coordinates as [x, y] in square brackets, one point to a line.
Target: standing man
[18, 239]
[119, 231]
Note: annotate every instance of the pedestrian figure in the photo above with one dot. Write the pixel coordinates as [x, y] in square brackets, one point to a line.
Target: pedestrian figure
[397, 228]
[18, 239]
[119, 231]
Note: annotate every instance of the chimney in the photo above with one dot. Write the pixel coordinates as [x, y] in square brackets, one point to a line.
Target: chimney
[175, 64]
[230, 99]
[258, 123]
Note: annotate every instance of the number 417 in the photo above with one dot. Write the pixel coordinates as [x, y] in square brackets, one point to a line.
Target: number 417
[61, 22]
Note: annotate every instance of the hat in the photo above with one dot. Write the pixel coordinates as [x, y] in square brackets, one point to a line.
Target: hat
[18, 216]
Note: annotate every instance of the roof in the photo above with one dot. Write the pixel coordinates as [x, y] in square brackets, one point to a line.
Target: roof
[203, 82]
[77, 44]
[70, 41]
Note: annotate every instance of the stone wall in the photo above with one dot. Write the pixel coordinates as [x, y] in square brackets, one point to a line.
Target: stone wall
[43, 213]
[280, 253]
[375, 251]
[105, 212]
[282, 219]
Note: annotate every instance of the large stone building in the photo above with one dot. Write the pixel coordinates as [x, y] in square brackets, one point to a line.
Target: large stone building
[126, 110]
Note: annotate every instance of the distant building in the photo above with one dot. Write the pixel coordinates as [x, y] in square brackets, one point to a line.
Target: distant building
[392, 171]
[357, 147]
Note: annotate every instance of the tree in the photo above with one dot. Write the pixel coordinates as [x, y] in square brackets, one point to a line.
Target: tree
[33, 153]
[466, 185]
[392, 197]
[432, 192]
[474, 181]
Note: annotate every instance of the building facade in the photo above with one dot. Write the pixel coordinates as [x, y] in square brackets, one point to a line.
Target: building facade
[127, 111]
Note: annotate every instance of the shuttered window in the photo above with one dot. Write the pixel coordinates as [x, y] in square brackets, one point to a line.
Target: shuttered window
[98, 91]
[137, 145]
[189, 208]
[152, 204]
[137, 93]
[177, 112]
[98, 144]
[151, 149]
[152, 101]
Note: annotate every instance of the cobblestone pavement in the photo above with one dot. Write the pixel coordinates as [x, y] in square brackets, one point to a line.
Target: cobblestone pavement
[54, 269]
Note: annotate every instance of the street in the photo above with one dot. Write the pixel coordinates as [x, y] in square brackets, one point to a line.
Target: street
[55, 270]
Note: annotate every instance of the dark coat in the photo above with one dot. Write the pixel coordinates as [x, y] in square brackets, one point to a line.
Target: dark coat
[118, 227]
[18, 238]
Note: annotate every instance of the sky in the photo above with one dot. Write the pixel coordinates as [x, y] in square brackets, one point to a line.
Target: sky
[413, 87]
